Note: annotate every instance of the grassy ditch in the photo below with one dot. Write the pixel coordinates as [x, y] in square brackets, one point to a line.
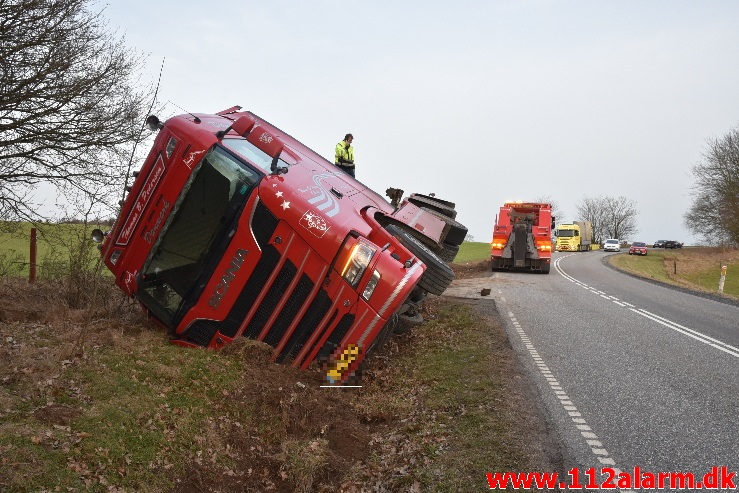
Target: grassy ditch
[98, 400]
[696, 268]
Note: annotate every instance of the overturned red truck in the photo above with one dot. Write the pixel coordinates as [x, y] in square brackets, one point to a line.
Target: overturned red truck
[232, 228]
[522, 238]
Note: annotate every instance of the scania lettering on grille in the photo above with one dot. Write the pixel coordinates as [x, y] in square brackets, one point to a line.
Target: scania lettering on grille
[229, 276]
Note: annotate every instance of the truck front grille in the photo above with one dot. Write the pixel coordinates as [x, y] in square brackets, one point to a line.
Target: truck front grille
[290, 310]
[265, 266]
[279, 304]
[308, 324]
[269, 303]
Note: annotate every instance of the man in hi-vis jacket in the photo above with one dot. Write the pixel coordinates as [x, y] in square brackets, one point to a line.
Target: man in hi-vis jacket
[344, 158]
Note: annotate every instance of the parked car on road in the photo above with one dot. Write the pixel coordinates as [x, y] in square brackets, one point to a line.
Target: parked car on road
[612, 245]
[638, 248]
[672, 244]
[659, 244]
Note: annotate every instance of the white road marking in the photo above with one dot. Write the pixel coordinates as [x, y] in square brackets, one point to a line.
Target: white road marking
[592, 440]
[727, 348]
[694, 334]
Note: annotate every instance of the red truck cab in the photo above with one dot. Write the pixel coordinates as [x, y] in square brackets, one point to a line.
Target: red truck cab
[234, 228]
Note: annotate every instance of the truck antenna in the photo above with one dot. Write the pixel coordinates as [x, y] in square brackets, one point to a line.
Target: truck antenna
[138, 139]
[197, 120]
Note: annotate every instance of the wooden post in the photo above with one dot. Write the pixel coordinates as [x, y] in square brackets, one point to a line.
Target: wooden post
[674, 265]
[32, 266]
[723, 278]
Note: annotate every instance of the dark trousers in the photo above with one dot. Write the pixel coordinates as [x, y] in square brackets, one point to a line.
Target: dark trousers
[349, 170]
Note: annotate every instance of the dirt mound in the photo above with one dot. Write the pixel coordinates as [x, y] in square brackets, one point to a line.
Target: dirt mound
[468, 270]
[297, 432]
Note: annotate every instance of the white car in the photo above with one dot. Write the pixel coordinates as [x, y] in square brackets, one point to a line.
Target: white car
[612, 245]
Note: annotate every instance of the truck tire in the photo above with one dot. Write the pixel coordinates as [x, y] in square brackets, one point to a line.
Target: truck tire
[545, 268]
[407, 322]
[457, 231]
[439, 206]
[438, 275]
[448, 252]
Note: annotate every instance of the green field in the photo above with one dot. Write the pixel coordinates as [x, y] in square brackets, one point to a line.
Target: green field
[472, 251]
[55, 245]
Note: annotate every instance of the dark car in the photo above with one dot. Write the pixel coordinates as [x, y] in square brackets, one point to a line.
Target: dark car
[659, 244]
[672, 244]
[638, 248]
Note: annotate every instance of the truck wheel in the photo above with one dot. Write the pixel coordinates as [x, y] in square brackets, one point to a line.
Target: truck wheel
[407, 322]
[457, 231]
[448, 252]
[545, 268]
[439, 206]
[438, 275]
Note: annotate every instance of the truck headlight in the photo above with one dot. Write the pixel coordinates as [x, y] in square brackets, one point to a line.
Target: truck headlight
[371, 285]
[358, 261]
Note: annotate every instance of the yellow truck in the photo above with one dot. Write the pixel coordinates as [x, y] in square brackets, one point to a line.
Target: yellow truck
[574, 237]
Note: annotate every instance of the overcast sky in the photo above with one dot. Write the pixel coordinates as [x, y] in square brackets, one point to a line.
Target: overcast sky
[477, 101]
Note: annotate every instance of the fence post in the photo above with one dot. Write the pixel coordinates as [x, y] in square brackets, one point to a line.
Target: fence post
[723, 278]
[32, 266]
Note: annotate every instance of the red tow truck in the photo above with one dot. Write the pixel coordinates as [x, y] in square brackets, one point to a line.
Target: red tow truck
[232, 228]
[522, 238]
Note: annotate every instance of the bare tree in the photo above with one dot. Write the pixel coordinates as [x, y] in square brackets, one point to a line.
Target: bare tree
[620, 217]
[70, 110]
[611, 217]
[714, 214]
[593, 209]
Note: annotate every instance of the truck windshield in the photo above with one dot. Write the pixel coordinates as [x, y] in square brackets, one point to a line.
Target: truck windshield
[201, 224]
[565, 233]
[252, 153]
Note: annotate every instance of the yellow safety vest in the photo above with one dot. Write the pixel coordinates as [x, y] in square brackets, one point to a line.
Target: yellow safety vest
[344, 154]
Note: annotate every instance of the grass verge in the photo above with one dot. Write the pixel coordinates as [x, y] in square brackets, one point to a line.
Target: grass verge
[102, 402]
[697, 268]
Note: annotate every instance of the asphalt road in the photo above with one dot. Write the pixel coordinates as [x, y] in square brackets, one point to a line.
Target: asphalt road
[631, 374]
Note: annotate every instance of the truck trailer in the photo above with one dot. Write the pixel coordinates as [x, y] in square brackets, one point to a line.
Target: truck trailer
[574, 237]
[522, 237]
[232, 228]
